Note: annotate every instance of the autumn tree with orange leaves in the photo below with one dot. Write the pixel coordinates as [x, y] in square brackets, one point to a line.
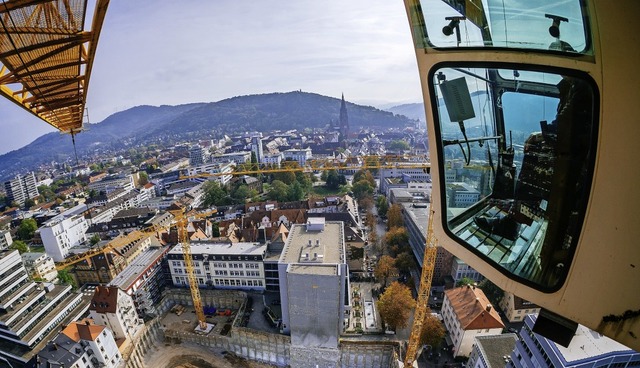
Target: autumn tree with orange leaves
[395, 306]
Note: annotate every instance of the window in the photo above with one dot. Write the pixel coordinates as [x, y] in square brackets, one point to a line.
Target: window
[520, 148]
[535, 25]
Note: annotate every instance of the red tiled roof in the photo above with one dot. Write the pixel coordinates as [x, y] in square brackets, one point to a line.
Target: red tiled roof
[83, 330]
[105, 299]
[472, 308]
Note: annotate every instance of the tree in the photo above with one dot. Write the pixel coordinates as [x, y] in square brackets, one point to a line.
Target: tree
[394, 216]
[382, 206]
[215, 230]
[21, 246]
[144, 178]
[26, 229]
[29, 203]
[364, 175]
[66, 278]
[367, 204]
[362, 189]
[242, 193]
[287, 177]
[399, 145]
[95, 239]
[334, 180]
[493, 292]
[395, 306]
[214, 194]
[397, 239]
[405, 262]
[279, 191]
[296, 192]
[46, 193]
[432, 332]
[465, 281]
[386, 267]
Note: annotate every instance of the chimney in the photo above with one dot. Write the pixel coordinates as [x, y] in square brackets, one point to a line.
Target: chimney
[310, 242]
[317, 242]
[87, 322]
[488, 307]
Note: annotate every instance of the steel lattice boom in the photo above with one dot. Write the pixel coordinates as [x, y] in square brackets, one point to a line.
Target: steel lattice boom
[428, 265]
[46, 55]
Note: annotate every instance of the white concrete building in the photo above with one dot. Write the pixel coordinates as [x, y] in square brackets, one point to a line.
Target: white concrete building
[113, 308]
[28, 310]
[274, 159]
[81, 344]
[64, 232]
[233, 157]
[5, 239]
[113, 182]
[21, 188]
[223, 265]
[460, 270]
[219, 171]
[40, 265]
[299, 155]
[516, 308]
[468, 314]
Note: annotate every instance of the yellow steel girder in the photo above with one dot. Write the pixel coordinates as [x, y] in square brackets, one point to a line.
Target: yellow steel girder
[46, 56]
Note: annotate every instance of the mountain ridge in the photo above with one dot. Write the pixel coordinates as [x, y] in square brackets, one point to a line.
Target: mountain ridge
[165, 123]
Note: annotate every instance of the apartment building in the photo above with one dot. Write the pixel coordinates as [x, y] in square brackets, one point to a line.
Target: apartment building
[64, 232]
[21, 188]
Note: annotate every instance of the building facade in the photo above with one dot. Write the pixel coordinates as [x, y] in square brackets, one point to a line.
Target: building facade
[40, 265]
[62, 233]
[468, 314]
[588, 349]
[113, 308]
[29, 311]
[314, 283]
[21, 188]
[81, 344]
[516, 308]
[221, 265]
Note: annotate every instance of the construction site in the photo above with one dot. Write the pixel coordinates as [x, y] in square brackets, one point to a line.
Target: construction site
[172, 339]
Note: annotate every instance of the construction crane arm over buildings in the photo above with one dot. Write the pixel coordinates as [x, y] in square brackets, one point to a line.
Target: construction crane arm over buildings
[46, 57]
[419, 315]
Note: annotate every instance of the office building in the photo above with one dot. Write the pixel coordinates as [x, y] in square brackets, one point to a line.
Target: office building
[588, 349]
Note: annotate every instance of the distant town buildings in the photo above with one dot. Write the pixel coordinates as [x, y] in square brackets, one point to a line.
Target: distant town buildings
[21, 188]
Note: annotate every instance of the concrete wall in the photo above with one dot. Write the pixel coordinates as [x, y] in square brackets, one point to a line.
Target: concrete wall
[256, 345]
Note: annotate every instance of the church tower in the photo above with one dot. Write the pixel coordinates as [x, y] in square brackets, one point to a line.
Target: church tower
[344, 120]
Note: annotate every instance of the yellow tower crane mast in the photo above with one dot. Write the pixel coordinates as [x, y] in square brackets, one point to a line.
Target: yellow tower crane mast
[183, 238]
[428, 265]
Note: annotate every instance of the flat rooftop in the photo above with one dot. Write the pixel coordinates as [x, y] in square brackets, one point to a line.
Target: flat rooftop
[255, 249]
[587, 343]
[324, 270]
[322, 246]
[137, 268]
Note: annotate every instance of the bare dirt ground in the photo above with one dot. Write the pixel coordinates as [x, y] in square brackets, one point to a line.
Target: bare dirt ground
[188, 355]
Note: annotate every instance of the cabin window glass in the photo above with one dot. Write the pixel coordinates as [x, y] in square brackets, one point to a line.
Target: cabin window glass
[536, 24]
[516, 155]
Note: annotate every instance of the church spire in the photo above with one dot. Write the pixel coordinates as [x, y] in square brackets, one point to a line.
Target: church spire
[344, 119]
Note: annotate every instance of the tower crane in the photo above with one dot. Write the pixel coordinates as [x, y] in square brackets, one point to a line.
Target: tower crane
[428, 265]
[183, 238]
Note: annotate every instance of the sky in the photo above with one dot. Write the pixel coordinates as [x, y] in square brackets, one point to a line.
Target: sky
[174, 52]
